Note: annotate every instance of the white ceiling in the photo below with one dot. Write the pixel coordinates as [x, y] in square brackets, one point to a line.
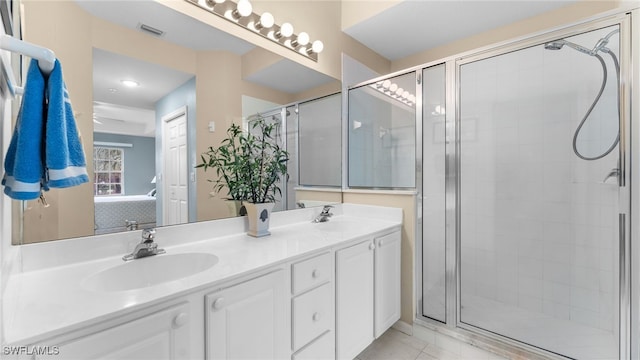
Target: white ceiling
[155, 80]
[413, 26]
[179, 28]
[288, 76]
[117, 119]
[129, 110]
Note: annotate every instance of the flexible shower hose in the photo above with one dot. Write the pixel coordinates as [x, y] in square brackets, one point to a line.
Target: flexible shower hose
[593, 105]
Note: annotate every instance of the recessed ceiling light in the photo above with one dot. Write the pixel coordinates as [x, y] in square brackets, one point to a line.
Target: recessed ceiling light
[113, 90]
[130, 83]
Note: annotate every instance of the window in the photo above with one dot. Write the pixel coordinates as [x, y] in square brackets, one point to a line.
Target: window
[108, 171]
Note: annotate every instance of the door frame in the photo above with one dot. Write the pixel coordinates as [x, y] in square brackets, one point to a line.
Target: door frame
[165, 119]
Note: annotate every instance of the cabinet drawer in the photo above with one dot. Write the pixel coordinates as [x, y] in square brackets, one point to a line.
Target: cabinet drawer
[321, 349]
[310, 273]
[312, 315]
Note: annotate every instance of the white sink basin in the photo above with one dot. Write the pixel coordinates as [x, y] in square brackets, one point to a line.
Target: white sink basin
[149, 271]
[339, 226]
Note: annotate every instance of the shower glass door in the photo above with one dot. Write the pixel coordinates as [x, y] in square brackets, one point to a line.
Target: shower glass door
[538, 220]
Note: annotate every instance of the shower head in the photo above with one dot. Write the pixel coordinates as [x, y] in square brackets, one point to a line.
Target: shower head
[558, 44]
[554, 45]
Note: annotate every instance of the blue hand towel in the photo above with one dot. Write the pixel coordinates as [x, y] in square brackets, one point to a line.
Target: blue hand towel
[24, 164]
[45, 150]
[65, 160]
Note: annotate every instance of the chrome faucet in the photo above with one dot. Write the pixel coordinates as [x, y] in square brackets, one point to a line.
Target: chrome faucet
[324, 215]
[147, 247]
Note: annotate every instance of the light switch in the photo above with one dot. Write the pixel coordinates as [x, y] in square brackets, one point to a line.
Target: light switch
[212, 126]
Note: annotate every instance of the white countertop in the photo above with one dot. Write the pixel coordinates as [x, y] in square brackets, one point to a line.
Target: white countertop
[45, 297]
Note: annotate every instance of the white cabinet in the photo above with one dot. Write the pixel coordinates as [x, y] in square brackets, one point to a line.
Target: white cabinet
[161, 335]
[354, 299]
[313, 308]
[367, 292]
[320, 349]
[249, 320]
[387, 282]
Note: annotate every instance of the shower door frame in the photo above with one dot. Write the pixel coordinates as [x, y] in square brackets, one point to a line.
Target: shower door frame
[629, 139]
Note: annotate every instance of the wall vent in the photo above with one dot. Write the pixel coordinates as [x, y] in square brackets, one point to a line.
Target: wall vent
[151, 30]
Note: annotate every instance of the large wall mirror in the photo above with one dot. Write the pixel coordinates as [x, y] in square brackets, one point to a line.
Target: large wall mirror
[189, 82]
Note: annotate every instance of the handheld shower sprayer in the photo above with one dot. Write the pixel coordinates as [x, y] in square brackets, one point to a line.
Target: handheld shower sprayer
[600, 46]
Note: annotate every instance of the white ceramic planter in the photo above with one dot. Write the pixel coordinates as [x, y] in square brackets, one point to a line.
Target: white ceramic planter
[259, 215]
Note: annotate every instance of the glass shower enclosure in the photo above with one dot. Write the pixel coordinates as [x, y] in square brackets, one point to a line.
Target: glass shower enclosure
[523, 194]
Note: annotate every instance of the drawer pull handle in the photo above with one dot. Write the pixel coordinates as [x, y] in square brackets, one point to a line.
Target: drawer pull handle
[316, 316]
[180, 320]
[218, 304]
[372, 246]
[315, 273]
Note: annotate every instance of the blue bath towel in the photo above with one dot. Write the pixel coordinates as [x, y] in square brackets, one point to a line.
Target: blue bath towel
[45, 150]
[24, 164]
[65, 160]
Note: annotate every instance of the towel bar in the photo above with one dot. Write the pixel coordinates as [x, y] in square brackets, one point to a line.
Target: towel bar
[46, 58]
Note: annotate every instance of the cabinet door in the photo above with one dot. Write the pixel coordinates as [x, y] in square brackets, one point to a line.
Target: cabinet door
[354, 299]
[162, 335]
[387, 280]
[249, 320]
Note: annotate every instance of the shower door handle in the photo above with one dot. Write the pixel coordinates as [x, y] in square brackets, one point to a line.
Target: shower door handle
[615, 172]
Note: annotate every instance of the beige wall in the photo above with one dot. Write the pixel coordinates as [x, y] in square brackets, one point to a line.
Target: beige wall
[556, 18]
[325, 196]
[407, 204]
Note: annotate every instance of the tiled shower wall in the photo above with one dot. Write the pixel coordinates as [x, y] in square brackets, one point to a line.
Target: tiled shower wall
[538, 225]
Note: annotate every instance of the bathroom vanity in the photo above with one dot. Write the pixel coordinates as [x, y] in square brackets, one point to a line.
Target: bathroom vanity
[308, 291]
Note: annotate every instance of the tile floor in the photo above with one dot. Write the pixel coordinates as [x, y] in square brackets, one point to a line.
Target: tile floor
[395, 345]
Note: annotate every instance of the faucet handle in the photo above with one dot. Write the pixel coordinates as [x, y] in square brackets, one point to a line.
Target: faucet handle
[326, 210]
[148, 235]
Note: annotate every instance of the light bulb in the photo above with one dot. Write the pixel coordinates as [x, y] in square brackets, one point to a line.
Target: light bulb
[303, 38]
[393, 88]
[266, 20]
[317, 46]
[213, 3]
[399, 92]
[412, 98]
[405, 94]
[244, 8]
[386, 84]
[286, 30]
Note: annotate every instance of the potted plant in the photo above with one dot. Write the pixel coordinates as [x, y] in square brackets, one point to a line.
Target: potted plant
[250, 166]
[266, 166]
[230, 162]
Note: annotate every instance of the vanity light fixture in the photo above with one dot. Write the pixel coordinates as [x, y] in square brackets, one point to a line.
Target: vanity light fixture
[286, 30]
[130, 83]
[316, 47]
[212, 3]
[241, 13]
[394, 91]
[243, 9]
[301, 40]
[266, 22]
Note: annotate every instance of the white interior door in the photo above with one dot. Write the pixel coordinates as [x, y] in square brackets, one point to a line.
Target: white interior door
[175, 168]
